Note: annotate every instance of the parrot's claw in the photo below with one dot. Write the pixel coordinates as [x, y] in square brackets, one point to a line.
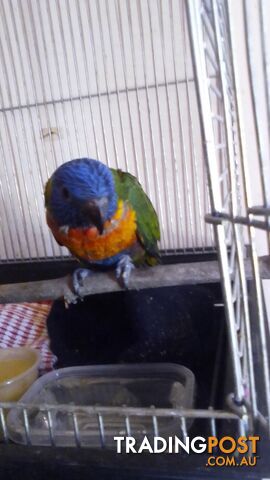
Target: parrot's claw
[70, 298]
[78, 277]
[124, 269]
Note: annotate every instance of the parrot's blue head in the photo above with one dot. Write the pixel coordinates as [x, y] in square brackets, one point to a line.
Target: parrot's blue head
[82, 194]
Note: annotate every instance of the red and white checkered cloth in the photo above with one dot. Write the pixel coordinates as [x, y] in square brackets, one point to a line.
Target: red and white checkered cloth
[24, 324]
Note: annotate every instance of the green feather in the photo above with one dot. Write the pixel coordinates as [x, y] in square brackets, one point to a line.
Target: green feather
[148, 232]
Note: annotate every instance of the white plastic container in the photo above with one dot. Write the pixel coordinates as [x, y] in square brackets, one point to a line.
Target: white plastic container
[79, 389]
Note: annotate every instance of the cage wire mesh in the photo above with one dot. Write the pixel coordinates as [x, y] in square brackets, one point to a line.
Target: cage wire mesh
[96, 426]
[107, 80]
[256, 18]
[149, 87]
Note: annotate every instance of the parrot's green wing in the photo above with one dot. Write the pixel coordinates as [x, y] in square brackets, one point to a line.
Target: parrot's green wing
[129, 189]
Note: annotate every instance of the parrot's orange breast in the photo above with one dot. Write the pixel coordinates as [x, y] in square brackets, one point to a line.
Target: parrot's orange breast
[86, 243]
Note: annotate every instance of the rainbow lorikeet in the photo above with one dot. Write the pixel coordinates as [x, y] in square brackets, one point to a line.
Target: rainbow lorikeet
[103, 217]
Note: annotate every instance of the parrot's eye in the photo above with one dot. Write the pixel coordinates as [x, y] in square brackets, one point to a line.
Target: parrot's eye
[65, 193]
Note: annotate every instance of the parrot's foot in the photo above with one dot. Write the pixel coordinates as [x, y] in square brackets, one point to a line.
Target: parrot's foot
[124, 269]
[78, 277]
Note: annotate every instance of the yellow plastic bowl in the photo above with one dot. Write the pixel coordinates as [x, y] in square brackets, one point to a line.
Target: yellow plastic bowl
[18, 370]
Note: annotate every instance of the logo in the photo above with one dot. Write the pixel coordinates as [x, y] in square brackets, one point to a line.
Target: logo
[225, 451]
[240, 452]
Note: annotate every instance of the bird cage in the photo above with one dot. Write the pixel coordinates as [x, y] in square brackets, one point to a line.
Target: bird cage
[152, 88]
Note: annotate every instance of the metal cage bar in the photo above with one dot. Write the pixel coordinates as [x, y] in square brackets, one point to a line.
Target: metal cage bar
[96, 426]
[261, 313]
[230, 213]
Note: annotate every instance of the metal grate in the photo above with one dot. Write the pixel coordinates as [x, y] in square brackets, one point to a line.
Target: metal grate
[97, 426]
